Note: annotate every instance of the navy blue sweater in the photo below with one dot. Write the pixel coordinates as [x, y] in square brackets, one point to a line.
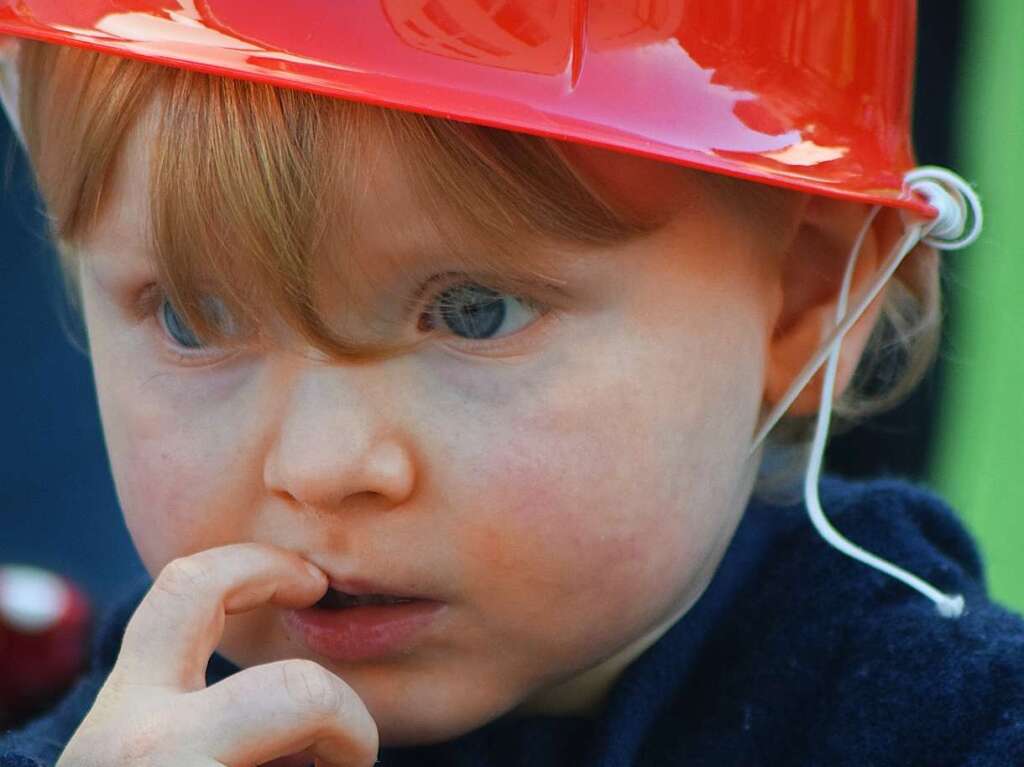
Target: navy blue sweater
[795, 655]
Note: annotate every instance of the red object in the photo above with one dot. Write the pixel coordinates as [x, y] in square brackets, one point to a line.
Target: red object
[44, 639]
[806, 94]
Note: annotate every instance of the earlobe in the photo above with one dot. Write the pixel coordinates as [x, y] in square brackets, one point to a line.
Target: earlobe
[810, 280]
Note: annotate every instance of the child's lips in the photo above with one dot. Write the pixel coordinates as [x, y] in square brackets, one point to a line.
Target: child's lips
[363, 633]
[360, 619]
[363, 587]
[334, 600]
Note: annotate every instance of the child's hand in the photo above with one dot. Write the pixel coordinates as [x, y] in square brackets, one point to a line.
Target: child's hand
[155, 708]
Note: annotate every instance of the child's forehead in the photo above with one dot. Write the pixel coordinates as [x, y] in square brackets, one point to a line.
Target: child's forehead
[387, 217]
[383, 216]
[120, 235]
[340, 238]
[382, 230]
[648, 186]
[392, 237]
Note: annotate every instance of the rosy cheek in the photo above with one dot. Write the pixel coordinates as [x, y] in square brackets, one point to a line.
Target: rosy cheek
[580, 520]
[164, 483]
[146, 492]
[549, 527]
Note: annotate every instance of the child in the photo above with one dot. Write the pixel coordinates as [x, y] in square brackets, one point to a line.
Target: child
[436, 346]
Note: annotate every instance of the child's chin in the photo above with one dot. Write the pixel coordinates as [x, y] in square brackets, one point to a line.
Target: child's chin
[406, 734]
[409, 736]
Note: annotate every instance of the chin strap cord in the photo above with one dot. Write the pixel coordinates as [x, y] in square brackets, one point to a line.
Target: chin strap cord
[957, 205]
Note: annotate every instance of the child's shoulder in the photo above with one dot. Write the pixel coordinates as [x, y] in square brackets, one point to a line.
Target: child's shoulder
[905, 523]
[848, 665]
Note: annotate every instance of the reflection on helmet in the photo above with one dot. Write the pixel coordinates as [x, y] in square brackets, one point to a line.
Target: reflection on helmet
[808, 94]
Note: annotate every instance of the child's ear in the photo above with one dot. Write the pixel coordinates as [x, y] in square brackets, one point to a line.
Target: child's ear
[809, 279]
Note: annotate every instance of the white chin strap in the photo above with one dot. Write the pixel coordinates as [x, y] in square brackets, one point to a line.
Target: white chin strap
[957, 205]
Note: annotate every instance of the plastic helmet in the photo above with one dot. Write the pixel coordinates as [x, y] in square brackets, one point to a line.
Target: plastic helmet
[813, 95]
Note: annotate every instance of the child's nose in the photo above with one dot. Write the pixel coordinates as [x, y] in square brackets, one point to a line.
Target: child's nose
[335, 440]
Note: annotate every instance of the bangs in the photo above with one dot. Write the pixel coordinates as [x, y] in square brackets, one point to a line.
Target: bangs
[255, 191]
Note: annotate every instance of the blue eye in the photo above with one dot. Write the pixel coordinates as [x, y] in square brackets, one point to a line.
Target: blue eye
[177, 328]
[182, 334]
[475, 312]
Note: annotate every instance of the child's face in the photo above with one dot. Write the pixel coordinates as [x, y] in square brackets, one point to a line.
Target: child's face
[568, 495]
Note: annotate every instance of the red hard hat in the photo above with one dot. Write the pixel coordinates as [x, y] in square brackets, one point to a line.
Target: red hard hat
[812, 95]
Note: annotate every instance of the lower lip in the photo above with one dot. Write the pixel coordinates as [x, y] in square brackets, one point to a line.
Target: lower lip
[362, 633]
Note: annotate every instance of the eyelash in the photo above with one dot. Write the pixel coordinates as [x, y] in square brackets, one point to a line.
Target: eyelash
[448, 280]
[149, 306]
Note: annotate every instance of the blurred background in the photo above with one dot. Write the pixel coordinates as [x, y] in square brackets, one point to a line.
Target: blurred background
[958, 433]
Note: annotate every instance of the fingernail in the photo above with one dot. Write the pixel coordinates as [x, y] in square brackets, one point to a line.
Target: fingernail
[315, 571]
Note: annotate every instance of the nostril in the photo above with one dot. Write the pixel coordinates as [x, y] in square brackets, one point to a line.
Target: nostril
[284, 495]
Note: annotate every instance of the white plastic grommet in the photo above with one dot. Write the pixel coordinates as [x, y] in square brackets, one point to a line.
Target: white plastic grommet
[956, 202]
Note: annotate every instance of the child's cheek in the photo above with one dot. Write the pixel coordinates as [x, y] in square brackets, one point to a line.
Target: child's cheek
[595, 495]
[568, 527]
[173, 467]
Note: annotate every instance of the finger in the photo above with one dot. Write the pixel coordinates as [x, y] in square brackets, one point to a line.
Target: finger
[276, 709]
[107, 755]
[179, 623]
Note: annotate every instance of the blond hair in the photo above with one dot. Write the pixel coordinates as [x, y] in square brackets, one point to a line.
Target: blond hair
[270, 174]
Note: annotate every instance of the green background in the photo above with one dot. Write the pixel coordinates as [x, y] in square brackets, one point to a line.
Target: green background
[978, 462]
